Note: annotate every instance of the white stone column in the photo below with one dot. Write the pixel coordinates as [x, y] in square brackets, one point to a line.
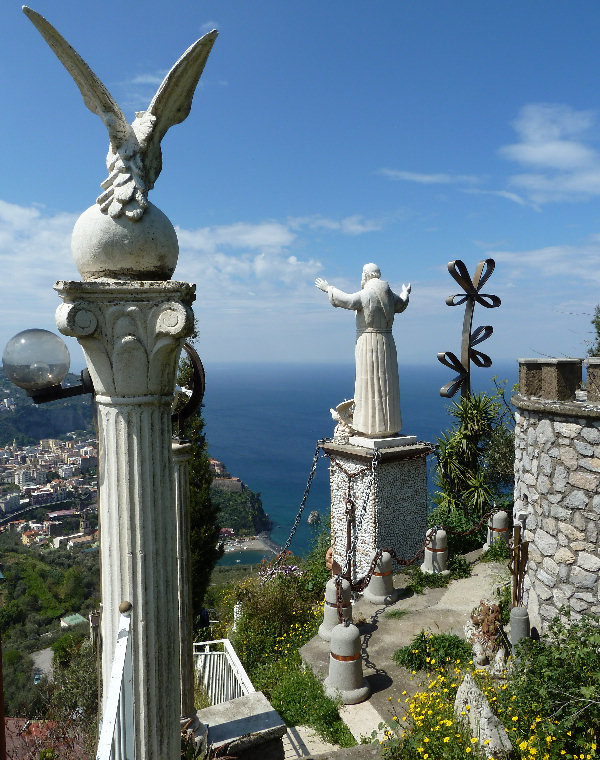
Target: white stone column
[181, 464]
[131, 334]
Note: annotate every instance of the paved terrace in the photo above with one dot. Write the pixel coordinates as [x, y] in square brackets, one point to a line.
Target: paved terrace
[439, 610]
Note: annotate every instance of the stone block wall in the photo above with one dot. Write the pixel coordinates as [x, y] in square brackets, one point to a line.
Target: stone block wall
[557, 499]
[395, 510]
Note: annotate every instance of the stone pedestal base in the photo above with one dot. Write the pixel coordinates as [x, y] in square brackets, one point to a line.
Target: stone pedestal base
[389, 513]
[382, 443]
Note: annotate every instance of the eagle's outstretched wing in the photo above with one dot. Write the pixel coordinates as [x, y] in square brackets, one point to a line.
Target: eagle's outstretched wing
[173, 100]
[95, 95]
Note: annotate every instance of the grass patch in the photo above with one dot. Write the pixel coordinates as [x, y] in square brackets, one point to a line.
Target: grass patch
[298, 697]
[428, 651]
[419, 581]
[504, 594]
[396, 614]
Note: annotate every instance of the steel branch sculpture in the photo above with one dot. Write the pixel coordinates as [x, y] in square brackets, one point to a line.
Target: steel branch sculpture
[471, 296]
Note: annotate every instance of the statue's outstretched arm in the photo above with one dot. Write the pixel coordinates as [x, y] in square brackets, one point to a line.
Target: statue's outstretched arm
[401, 301]
[338, 297]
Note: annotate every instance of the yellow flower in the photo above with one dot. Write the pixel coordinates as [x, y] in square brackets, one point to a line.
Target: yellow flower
[468, 749]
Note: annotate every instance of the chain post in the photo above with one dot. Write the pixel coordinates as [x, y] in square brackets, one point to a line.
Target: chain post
[350, 518]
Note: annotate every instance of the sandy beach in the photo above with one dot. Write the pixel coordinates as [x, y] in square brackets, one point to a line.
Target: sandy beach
[260, 543]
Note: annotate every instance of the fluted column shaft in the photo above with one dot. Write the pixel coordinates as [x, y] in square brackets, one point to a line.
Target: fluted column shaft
[181, 464]
[131, 334]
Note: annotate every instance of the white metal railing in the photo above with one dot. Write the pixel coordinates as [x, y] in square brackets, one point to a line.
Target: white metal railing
[116, 733]
[219, 670]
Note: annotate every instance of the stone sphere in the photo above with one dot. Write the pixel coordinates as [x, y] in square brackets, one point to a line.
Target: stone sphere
[124, 249]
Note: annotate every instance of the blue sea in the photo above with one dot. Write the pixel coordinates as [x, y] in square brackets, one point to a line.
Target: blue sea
[263, 422]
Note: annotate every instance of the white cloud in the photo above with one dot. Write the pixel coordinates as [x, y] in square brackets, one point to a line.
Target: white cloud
[240, 269]
[154, 79]
[209, 26]
[546, 122]
[501, 194]
[35, 251]
[576, 264]
[554, 149]
[428, 179]
[265, 235]
[349, 225]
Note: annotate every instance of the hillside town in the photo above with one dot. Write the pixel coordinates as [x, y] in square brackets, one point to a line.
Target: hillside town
[56, 476]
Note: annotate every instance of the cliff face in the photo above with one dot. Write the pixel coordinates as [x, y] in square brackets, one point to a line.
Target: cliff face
[241, 510]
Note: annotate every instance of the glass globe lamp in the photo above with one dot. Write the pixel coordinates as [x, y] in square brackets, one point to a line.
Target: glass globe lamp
[36, 359]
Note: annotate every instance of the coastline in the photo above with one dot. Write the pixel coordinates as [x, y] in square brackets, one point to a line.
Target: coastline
[260, 543]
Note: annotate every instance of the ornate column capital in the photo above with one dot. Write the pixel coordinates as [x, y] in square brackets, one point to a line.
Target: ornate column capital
[131, 333]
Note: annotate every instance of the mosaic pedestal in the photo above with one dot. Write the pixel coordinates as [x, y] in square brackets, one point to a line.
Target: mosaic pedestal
[390, 512]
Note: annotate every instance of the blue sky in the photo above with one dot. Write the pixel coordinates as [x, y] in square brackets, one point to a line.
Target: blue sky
[325, 135]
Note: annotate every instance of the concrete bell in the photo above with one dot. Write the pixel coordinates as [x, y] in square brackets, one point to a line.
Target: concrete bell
[330, 614]
[381, 586]
[519, 626]
[345, 677]
[435, 559]
[497, 528]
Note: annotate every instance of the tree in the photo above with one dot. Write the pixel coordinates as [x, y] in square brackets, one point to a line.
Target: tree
[594, 345]
[204, 525]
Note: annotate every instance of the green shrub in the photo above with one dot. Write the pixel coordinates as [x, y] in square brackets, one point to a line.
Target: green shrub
[429, 651]
[553, 690]
[498, 551]
[277, 616]
[429, 730]
[298, 697]
[315, 572]
[459, 567]
[456, 522]
[419, 581]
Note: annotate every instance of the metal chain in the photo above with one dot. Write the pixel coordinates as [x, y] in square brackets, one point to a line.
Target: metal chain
[358, 523]
[286, 546]
[363, 582]
[360, 584]
[486, 516]
[350, 502]
[350, 508]
[339, 601]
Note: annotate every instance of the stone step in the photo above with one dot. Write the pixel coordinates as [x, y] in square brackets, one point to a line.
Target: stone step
[245, 727]
[303, 742]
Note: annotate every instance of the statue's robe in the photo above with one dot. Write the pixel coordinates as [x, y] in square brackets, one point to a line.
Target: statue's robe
[377, 389]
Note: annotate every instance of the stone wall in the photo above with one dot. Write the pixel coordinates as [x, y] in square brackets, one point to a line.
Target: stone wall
[557, 474]
[394, 510]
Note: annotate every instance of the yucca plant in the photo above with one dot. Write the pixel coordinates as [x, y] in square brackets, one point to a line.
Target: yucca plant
[462, 483]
